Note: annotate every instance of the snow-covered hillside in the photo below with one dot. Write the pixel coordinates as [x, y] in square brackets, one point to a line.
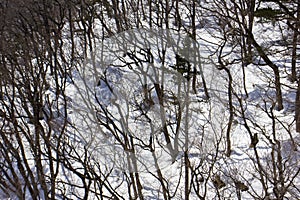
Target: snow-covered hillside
[149, 100]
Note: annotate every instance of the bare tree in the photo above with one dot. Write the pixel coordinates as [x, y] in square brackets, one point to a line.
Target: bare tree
[90, 109]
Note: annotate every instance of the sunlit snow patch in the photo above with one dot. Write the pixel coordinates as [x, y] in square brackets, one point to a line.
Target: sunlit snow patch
[135, 102]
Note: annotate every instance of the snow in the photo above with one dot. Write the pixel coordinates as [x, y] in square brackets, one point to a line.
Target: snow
[111, 83]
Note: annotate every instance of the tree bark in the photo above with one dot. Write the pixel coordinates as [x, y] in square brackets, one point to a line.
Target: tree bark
[274, 67]
[297, 108]
[297, 101]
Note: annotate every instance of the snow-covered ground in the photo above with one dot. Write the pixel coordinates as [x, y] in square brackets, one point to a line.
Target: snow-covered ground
[138, 123]
[201, 131]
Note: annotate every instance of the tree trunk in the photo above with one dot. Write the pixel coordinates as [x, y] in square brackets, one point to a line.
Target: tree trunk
[248, 53]
[295, 44]
[297, 108]
[297, 101]
[274, 67]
